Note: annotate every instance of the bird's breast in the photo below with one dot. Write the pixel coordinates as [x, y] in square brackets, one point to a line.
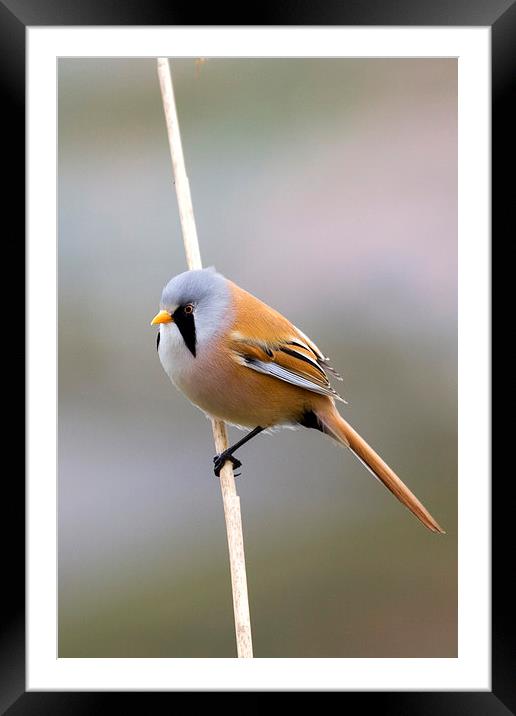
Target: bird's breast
[199, 377]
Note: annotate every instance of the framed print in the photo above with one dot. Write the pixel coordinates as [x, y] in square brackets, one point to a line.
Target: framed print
[350, 151]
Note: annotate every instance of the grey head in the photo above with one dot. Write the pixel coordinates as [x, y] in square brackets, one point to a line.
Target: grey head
[199, 303]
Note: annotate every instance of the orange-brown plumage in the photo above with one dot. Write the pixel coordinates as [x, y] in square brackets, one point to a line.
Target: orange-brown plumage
[252, 367]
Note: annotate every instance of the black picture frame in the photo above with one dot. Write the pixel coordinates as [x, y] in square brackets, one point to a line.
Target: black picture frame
[15, 17]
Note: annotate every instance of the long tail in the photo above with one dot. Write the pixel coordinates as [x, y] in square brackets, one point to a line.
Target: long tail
[334, 425]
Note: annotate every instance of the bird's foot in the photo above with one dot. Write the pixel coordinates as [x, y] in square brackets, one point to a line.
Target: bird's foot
[220, 460]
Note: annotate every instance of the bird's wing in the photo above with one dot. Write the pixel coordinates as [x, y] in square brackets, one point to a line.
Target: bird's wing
[265, 341]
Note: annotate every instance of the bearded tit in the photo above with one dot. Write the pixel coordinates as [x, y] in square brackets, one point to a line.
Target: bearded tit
[241, 361]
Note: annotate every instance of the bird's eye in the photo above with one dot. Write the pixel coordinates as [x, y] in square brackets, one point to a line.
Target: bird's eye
[188, 309]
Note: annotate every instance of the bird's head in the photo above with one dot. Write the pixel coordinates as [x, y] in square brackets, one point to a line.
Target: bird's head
[195, 303]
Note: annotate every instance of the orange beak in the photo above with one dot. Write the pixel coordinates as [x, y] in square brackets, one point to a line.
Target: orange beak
[162, 317]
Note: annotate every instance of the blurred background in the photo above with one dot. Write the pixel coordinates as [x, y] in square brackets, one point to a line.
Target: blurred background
[327, 188]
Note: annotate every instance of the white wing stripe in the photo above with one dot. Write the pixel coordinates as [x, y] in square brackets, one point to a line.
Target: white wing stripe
[277, 371]
[310, 344]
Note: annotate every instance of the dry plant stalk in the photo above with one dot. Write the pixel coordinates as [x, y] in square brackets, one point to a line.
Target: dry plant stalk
[227, 481]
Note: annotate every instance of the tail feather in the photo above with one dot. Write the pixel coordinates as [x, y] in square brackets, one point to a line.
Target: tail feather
[335, 426]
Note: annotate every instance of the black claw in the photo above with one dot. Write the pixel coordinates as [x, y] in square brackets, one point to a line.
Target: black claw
[220, 461]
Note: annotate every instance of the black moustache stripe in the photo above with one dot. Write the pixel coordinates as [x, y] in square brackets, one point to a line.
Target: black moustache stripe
[186, 325]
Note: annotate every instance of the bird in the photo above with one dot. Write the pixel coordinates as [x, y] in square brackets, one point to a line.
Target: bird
[241, 361]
